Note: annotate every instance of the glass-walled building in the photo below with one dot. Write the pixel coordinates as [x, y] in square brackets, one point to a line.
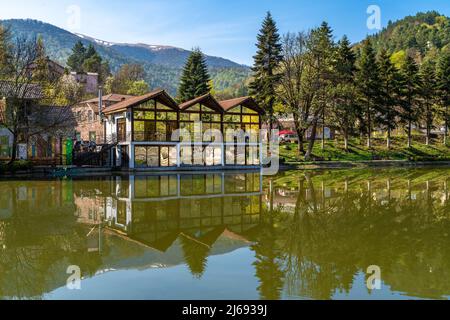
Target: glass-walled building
[153, 131]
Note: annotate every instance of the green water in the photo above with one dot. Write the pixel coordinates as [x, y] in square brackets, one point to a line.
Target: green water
[298, 235]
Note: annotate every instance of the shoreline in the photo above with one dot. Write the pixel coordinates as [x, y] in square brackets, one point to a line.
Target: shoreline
[62, 171]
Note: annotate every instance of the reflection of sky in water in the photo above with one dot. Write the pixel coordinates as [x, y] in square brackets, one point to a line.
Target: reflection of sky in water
[227, 276]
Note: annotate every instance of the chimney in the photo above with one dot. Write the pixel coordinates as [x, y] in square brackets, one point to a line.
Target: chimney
[100, 102]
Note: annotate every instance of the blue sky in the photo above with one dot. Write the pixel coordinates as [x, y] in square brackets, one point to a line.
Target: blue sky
[225, 28]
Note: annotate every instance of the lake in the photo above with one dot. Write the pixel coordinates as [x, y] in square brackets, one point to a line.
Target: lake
[338, 234]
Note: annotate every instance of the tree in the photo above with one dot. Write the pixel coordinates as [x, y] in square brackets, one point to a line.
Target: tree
[389, 94]
[321, 51]
[195, 79]
[368, 82]
[443, 86]
[138, 88]
[266, 63]
[25, 89]
[293, 91]
[76, 59]
[428, 95]
[88, 60]
[411, 88]
[128, 80]
[343, 111]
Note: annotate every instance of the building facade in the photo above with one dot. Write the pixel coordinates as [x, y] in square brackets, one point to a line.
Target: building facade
[89, 126]
[153, 131]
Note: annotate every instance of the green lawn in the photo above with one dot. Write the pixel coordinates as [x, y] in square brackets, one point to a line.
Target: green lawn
[334, 151]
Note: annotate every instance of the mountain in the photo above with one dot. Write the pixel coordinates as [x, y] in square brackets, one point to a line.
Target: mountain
[163, 64]
[421, 35]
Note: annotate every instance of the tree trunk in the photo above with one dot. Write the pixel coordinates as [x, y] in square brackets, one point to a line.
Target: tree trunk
[323, 129]
[388, 140]
[13, 149]
[346, 141]
[301, 145]
[427, 142]
[446, 126]
[409, 133]
[312, 140]
[369, 128]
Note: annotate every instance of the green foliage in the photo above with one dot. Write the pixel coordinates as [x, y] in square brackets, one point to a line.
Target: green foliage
[389, 91]
[195, 79]
[138, 88]
[415, 34]
[76, 59]
[128, 80]
[266, 62]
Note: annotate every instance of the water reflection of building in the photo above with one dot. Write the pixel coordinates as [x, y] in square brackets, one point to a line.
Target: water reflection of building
[157, 209]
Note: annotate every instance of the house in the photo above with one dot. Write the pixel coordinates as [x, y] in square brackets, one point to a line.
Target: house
[89, 126]
[287, 123]
[145, 131]
[88, 80]
[45, 129]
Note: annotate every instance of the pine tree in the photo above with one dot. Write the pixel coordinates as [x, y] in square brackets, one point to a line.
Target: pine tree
[389, 81]
[428, 95]
[266, 62]
[76, 59]
[411, 89]
[195, 79]
[5, 51]
[41, 70]
[326, 52]
[368, 81]
[343, 110]
[443, 86]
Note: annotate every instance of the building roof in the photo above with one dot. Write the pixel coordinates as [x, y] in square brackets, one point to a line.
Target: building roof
[113, 97]
[248, 102]
[206, 100]
[158, 94]
[28, 91]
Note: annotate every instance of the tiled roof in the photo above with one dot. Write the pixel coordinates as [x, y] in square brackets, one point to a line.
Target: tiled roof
[156, 94]
[113, 97]
[24, 90]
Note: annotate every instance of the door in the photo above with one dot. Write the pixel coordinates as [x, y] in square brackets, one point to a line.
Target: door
[125, 157]
[121, 130]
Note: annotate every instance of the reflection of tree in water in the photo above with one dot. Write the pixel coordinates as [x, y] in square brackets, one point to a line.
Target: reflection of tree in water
[195, 254]
[326, 243]
[37, 247]
[268, 263]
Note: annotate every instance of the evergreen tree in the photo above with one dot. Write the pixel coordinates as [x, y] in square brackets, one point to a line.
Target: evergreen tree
[5, 51]
[389, 85]
[76, 59]
[195, 79]
[326, 53]
[343, 111]
[266, 62]
[443, 86]
[41, 70]
[428, 95]
[368, 81]
[410, 84]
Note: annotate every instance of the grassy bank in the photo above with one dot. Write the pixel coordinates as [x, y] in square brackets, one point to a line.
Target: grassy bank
[358, 151]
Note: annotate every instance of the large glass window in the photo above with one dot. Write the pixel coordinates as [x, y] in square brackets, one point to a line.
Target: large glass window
[155, 156]
[210, 119]
[153, 121]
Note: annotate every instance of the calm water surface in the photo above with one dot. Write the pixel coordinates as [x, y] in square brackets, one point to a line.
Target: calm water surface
[298, 235]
